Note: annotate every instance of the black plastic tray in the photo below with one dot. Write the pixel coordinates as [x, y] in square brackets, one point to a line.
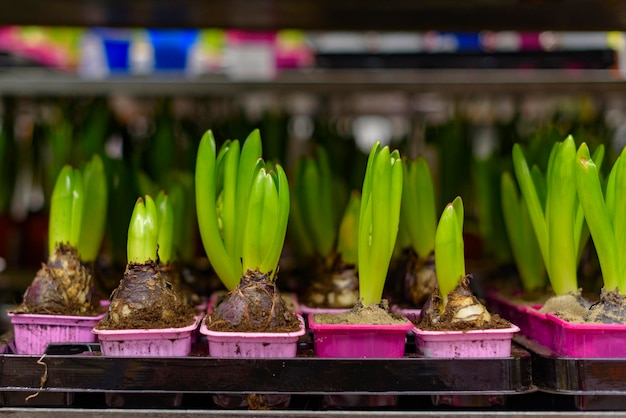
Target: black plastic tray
[596, 383]
[305, 374]
[575, 376]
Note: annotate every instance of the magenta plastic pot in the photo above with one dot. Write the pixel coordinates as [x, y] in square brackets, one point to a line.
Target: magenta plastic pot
[359, 341]
[33, 332]
[253, 344]
[540, 328]
[158, 342]
[589, 340]
[482, 343]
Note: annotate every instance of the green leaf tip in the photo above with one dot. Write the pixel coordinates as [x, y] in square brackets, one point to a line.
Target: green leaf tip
[94, 209]
[66, 209]
[165, 222]
[449, 248]
[143, 232]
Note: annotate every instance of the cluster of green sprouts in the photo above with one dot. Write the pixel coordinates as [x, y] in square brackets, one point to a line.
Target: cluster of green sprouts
[242, 206]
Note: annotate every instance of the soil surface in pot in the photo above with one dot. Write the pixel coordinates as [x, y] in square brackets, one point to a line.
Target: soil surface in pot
[145, 300]
[255, 305]
[463, 312]
[570, 307]
[62, 286]
[376, 314]
[611, 309]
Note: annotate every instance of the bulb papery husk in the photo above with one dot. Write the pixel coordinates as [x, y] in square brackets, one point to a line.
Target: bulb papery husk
[145, 300]
[610, 310]
[62, 286]
[462, 312]
[255, 305]
[420, 278]
[337, 287]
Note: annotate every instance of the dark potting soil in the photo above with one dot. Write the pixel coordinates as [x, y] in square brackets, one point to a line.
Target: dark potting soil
[62, 286]
[145, 300]
[376, 314]
[255, 305]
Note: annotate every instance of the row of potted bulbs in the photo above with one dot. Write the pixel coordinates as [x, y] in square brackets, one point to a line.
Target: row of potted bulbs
[243, 205]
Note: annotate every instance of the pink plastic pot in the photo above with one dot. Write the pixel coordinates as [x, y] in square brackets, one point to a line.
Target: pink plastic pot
[253, 344]
[589, 340]
[33, 332]
[159, 342]
[359, 341]
[465, 344]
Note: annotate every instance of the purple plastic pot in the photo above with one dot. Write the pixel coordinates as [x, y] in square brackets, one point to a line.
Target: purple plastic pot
[465, 344]
[359, 341]
[33, 332]
[253, 344]
[158, 342]
[588, 340]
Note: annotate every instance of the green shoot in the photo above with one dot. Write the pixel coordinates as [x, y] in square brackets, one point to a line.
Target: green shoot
[558, 227]
[313, 203]
[142, 232]
[165, 222]
[242, 208]
[266, 223]
[418, 206]
[523, 242]
[348, 236]
[378, 220]
[180, 192]
[66, 209]
[94, 209]
[605, 218]
[449, 248]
